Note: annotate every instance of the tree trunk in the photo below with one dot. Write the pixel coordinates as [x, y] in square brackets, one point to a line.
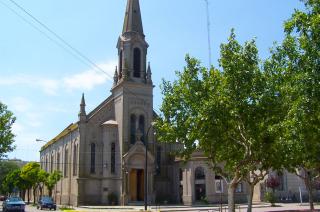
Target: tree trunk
[309, 188]
[231, 204]
[41, 191]
[28, 195]
[250, 197]
[50, 192]
[34, 195]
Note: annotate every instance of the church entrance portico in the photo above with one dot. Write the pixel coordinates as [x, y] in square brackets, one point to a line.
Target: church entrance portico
[134, 164]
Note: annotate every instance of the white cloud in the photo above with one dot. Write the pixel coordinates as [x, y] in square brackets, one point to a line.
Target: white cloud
[85, 80]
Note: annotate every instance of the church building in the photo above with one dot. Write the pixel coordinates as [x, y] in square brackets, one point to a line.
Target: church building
[103, 153]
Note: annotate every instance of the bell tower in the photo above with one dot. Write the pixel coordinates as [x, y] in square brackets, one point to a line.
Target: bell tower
[132, 48]
[133, 102]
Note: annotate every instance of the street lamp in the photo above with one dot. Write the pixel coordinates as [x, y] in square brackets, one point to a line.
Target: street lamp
[146, 168]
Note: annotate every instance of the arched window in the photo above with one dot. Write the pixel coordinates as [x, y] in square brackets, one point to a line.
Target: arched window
[66, 162]
[200, 184]
[113, 158]
[93, 158]
[75, 159]
[133, 128]
[120, 64]
[136, 62]
[141, 127]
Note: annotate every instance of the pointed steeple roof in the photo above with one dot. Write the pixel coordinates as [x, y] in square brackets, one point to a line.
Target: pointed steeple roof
[132, 19]
[83, 102]
[82, 113]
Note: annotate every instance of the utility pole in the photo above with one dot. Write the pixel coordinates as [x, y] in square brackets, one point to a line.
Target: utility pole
[208, 29]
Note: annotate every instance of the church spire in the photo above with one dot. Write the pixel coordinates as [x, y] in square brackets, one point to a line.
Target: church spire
[82, 113]
[132, 20]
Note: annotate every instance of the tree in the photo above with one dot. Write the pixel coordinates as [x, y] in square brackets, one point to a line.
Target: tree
[228, 114]
[30, 173]
[5, 168]
[13, 181]
[52, 180]
[42, 179]
[295, 65]
[6, 135]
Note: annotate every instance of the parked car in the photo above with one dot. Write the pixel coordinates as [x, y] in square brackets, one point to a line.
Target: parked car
[13, 204]
[46, 202]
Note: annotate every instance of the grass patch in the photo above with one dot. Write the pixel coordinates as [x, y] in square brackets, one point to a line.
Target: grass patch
[66, 208]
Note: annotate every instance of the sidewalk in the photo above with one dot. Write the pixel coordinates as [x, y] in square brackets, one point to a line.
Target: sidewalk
[264, 207]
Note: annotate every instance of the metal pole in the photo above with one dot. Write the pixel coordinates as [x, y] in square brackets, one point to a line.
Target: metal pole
[146, 170]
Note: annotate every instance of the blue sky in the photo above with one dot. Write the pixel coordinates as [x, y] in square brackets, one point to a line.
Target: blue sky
[42, 83]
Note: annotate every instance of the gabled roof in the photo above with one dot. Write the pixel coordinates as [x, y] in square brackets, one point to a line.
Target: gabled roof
[64, 132]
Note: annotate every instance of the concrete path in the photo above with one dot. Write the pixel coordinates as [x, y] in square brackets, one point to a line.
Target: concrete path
[214, 208]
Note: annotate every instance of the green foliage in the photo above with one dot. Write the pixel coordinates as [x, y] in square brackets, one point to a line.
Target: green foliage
[29, 172]
[6, 135]
[5, 168]
[228, 114]
[271, 198]
[51, 180]
[13, 180]
[299, 87]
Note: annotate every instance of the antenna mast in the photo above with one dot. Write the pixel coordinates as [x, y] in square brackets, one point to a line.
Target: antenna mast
[208, 28]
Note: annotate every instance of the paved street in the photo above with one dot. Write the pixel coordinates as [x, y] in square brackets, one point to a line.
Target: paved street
[257, 208]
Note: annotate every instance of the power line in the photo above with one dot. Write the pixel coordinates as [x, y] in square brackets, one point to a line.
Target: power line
[74, 50]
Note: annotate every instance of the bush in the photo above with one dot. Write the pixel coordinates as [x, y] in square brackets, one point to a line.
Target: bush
[113, 199]
[270, 197]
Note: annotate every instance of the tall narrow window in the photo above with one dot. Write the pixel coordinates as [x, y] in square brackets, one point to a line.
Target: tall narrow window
[158, 170]
[46, 165]
[93, 158]
[66, 162]
[136, 62]
[51, 162]
[120, 64]
[58, 161]
[75, 159]
[141, 127]
[113, 158]
[133, 129]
